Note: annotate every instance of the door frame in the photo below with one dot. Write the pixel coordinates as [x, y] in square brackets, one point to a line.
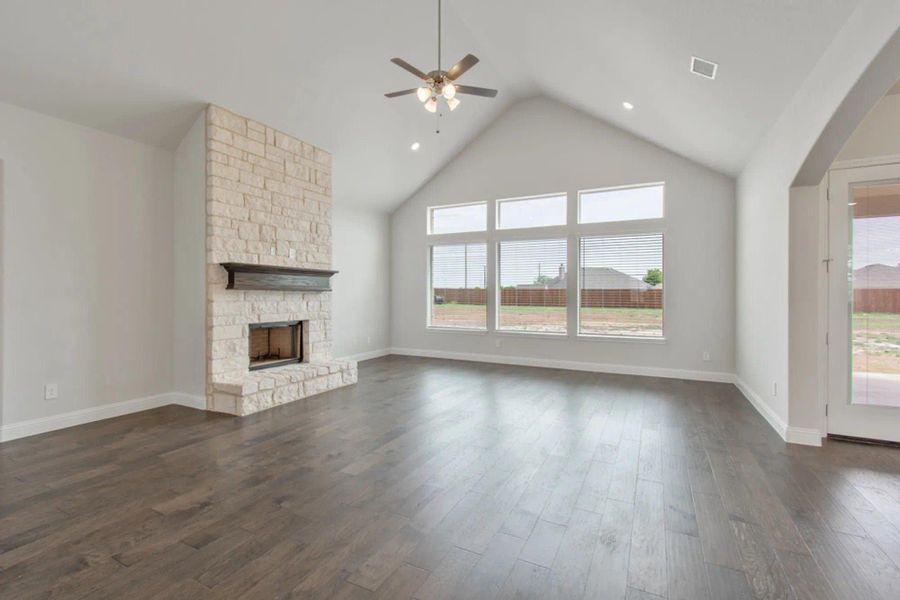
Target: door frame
[842, 417]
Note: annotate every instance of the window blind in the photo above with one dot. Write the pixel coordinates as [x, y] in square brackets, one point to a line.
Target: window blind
[620, 285]
[532, 276]
[459, 285]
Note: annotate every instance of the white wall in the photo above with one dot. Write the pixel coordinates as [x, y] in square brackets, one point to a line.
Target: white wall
[541, 146]
[763, 209]
[878, 134]
[189, 253]
[362, 292]
[87, 266]
[807, 309]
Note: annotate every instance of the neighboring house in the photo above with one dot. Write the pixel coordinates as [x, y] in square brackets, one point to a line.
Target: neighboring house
[879, 277]
[594, 278]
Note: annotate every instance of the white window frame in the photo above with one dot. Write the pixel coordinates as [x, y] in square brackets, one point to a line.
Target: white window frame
[500, 201]
[607, 336]
[572, 231]
[498, 290]
[430, 287]
[429, 221]
[616, 188]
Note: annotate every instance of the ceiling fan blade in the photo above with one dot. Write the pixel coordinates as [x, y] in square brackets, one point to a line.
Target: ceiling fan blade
[475, 91]
[468, 61]
[405, 65]
[400, 93]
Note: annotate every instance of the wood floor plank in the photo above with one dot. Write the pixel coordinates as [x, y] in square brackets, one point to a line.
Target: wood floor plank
[608, 576]
[449, 479]
[647, 559]
[449, 576]
[543, 543]
[685, 569]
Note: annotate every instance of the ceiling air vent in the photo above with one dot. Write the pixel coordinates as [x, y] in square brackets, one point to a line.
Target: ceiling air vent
[703, 68]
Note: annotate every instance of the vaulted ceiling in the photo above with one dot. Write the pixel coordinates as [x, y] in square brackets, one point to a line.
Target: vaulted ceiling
[318, 69]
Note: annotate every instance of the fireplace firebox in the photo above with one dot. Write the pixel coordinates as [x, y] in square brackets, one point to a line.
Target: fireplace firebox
[275, 344]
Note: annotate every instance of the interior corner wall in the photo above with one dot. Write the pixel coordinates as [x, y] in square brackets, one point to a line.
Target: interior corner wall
[541, 146]
[87, 266]
[763, 207]
[362, 288]
[189, 254]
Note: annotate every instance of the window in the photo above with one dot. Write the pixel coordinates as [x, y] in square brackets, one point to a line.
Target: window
[459, 286]
[621, 204]
[457, 219]
[620, 285]
[532, 275]
[541, 211]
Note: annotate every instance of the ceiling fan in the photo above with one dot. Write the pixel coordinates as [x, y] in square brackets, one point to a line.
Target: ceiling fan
[440, 83]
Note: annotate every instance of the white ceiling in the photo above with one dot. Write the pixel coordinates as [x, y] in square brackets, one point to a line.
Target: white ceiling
[318, 70]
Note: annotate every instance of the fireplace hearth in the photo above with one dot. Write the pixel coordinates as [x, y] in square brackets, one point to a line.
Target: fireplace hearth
[275, 344]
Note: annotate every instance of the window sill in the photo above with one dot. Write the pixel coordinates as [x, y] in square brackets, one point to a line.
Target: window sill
[534, 334]
[432, 328]
[586, 337]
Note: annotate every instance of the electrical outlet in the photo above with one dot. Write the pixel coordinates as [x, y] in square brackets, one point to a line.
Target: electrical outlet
[498, 343]
[272, 250]
[706, 357]
[292, 252]
[51, 391]
[368, 339]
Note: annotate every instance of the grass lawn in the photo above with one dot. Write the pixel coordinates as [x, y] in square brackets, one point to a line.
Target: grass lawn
[601, 321]
[876, 342]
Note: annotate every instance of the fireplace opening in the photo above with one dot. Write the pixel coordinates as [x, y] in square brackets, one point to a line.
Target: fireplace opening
[275, 344]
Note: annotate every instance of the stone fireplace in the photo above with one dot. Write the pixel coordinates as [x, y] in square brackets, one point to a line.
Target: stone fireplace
[268, 200]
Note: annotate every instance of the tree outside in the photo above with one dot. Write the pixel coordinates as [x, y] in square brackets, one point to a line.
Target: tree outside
[653, 277]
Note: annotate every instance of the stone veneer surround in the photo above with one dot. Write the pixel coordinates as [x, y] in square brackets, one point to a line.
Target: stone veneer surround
[268, 201]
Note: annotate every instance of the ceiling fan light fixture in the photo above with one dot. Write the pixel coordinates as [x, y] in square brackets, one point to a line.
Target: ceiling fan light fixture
[431, 105]
[449, 91]
[423, 94]
[453, 103]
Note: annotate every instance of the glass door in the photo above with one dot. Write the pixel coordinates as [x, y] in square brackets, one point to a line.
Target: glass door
[864, 303]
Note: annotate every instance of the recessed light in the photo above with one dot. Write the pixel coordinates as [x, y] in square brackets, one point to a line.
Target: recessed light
[415, 146]
[627, 105]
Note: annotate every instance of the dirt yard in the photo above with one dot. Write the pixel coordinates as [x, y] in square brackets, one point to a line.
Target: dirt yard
[643, 322]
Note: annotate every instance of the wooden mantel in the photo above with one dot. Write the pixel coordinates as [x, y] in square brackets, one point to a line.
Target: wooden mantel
[243, 276]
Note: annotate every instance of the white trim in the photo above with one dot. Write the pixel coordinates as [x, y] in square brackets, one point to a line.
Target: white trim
[13, 431]
[875, 161]
[762, 408]
[367, 355]
[804, 435]
[570, 365]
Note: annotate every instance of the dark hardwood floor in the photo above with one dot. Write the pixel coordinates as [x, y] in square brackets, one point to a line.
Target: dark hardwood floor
[439, 479]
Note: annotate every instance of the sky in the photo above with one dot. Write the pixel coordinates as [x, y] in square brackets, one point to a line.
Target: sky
[876, 240]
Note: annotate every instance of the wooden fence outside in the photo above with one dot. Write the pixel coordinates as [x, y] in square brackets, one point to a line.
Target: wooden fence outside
[592, 298]
[876, 300]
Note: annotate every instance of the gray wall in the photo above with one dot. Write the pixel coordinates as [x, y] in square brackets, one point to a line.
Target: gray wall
[362, 289]
[87, 266]
[189, 334]
[541, 146]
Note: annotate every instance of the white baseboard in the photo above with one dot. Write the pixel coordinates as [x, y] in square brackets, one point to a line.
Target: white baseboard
[792, 435]
[762, 408]
[804, 436]
[367, 355]
[14, 431]
[570, 365]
